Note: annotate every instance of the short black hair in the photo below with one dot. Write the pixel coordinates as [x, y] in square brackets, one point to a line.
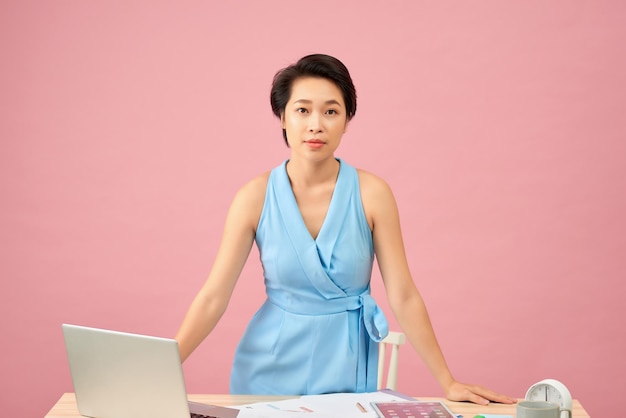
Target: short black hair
[315, 65]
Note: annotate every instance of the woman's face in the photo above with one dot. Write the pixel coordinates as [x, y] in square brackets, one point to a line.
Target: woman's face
[315, 117]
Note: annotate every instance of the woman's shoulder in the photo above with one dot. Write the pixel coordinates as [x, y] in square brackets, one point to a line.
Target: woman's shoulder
[371, 183]
[247, 204]
[376, 196]
[254, 190]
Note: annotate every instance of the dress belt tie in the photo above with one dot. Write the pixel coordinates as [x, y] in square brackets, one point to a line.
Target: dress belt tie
[373, 317]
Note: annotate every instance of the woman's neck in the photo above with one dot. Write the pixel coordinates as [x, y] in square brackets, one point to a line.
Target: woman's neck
[308, 173]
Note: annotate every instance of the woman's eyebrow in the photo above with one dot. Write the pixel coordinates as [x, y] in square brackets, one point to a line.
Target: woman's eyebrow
[307, 101]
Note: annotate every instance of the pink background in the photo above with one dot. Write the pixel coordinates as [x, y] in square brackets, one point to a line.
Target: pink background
[126, 128]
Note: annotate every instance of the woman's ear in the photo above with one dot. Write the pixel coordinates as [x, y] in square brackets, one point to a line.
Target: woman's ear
[282, 124]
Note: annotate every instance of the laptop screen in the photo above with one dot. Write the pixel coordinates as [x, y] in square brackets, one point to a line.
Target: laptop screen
[117, 374]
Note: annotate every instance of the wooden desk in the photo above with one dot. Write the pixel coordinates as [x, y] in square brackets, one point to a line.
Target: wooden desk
[66, 406]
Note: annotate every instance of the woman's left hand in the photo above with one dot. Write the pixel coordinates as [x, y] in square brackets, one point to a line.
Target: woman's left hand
[477, 394]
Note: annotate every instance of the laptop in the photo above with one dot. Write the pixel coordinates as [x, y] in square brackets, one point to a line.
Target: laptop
[123, 375]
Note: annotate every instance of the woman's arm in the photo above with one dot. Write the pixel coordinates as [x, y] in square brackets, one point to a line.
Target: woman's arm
[211, 301]
[404, 299]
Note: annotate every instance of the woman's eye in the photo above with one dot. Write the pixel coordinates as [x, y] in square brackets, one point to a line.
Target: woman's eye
[301, 110]
[331, 112]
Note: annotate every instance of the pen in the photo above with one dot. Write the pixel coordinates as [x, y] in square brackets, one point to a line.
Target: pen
[361, 408]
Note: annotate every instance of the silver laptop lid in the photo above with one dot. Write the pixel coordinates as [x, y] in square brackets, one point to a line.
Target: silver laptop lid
[122, 375]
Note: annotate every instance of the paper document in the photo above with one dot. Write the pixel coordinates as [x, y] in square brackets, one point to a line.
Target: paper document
[348, 405]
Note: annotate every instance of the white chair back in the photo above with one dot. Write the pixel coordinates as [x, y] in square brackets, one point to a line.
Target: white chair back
[394, 340]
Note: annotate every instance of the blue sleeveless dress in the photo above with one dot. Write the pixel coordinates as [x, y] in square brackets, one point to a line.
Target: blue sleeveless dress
[319, 328]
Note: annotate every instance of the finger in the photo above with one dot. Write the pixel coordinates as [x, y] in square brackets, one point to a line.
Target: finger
[503, 399]
[493, 396]
[472, 394]
[477, 399]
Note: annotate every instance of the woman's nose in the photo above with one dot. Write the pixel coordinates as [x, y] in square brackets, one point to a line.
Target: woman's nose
[315, 123]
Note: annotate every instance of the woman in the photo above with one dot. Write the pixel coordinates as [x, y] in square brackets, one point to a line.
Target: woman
[318, 223]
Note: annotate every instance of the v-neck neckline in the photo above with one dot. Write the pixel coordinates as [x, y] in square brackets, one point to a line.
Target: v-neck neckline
[331, 205]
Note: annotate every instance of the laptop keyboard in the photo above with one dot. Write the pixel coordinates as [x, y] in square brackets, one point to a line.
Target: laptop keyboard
[192, 415]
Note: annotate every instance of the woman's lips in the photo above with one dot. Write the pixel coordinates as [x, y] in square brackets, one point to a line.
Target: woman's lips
[315, 143]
